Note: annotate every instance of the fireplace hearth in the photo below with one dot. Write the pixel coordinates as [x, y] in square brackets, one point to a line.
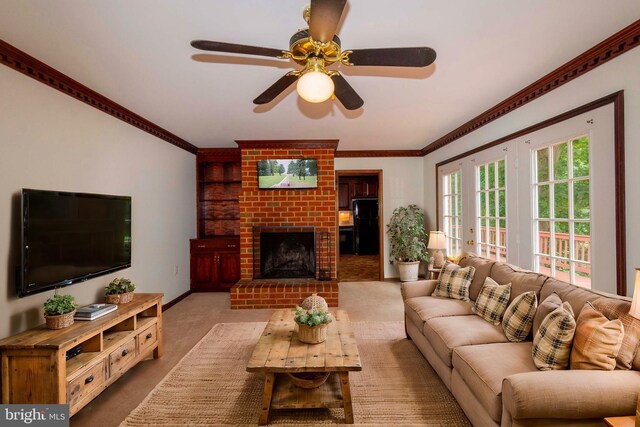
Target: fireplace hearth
[284, 252]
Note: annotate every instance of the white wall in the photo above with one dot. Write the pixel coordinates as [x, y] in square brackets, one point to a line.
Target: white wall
[51, 141]
[402, 185]
[618, 74]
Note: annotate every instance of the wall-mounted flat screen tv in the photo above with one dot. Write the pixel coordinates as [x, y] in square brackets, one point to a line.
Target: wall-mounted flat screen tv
[288, 174]
[71, 237]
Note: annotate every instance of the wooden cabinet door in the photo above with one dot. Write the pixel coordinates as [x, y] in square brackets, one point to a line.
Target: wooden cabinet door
[358, 188]
[202, 270]
[227, 269]
[371, 187]
[343, 196]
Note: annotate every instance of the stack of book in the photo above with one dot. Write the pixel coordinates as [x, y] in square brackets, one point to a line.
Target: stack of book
[93, 311]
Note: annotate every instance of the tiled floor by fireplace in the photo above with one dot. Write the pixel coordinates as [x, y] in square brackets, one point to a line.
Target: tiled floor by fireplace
[358, 268]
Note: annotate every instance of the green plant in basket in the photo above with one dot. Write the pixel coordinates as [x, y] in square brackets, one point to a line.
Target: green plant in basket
[312, 317]
[119, 286]
[59, 304]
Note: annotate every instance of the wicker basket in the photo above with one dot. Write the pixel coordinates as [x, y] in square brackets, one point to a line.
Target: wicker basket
[308, 379]
[60, 321]
[312, 334]
[112, 299]
[126, 297]
[314, 302]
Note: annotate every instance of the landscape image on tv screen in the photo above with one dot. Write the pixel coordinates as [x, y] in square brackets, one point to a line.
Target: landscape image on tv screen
[291, 173]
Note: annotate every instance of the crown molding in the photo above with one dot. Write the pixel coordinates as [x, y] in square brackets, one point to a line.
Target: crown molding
[26, 64]
[614, 46]
[378, 153]
[287, 143]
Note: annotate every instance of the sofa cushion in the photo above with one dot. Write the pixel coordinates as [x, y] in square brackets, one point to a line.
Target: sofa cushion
[421, 309]
[483, 367]
[521, 280]
[492, 301]
[619, 309]
[552, 343]
[483, 267]
[597, 341]
[518, 318]
[547, 305]
[454, 281]
[575, 295]
[447, 333]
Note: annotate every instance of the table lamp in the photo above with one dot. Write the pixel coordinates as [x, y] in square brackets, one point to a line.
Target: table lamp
[437, 242]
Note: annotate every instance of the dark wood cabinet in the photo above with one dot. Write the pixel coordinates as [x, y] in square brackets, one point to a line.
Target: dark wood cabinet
[344, 198]
[215, 254]
[356, 187]
[215, 264]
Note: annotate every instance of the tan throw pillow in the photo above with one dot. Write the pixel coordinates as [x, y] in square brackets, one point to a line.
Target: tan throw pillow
[492, 301]
[518, 318]
[454, 282]
[547, 305]
[597, 340]
[618, 309]
[552, 342]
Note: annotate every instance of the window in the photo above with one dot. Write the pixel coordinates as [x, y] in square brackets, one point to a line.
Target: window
[491, 202]
[452, 212]
[562, 211]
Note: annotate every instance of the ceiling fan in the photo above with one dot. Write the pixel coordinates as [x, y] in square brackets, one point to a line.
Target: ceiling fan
[316, 48]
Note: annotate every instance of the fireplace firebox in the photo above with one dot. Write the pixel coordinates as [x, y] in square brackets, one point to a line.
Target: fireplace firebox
[284, 252]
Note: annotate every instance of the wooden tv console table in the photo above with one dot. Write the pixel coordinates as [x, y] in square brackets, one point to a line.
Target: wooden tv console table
[34, 365]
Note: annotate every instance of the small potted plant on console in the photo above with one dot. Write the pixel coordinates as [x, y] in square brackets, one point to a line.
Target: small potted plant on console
[119, 291]
[59, 311]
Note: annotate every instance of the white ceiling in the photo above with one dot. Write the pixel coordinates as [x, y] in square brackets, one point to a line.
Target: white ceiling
[137, 53]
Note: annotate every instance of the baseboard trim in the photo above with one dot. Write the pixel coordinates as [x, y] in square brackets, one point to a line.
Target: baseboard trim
[176, 300]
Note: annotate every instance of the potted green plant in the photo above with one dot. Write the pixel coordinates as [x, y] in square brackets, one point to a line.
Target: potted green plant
[408, 240]
[119, 291]
[312, 325]
[59, 311]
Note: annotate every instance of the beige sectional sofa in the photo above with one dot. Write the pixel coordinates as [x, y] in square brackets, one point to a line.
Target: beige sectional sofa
[495, 381]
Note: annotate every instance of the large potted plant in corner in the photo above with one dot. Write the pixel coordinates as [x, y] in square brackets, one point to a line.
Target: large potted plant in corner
[407, 238]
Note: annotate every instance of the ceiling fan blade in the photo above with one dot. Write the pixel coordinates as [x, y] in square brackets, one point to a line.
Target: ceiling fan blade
[345, 93]
[394, 57]
[325, 15]
[235, 48]
[275, 89]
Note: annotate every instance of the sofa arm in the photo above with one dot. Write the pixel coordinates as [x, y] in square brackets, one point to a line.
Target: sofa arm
[570, 394]
[419, 288]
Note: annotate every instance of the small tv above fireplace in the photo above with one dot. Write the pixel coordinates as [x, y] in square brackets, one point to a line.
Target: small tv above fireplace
[287, 174]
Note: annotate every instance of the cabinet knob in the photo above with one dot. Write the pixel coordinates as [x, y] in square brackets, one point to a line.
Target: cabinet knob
[125, 352]
[89, 379]
[202, 246]
[149, 335]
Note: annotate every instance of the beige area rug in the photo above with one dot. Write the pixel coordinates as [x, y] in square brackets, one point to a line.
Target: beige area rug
[210, 386]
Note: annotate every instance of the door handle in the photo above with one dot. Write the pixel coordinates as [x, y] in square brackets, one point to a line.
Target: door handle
[471, 242]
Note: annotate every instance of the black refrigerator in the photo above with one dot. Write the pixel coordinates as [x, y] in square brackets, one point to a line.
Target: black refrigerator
[365, 226]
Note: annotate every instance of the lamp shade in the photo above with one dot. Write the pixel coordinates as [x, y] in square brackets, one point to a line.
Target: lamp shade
[315, 86]
[635, 305]
[437, 240]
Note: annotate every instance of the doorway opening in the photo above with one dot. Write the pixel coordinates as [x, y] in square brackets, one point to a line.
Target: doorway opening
[360, 248]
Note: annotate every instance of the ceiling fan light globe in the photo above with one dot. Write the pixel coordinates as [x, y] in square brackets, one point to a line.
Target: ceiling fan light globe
[315, 87]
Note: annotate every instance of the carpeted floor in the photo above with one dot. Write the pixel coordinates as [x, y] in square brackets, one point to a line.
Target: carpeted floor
[210, 386]
[357, 268]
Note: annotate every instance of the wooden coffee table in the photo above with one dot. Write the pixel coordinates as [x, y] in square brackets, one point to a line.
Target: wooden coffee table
[279, 352]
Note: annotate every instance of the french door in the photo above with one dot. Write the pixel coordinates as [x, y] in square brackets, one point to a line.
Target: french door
[544, 201]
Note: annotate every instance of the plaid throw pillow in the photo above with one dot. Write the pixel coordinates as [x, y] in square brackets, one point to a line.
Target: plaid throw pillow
[454, 282]
[492, 301]
[552, 343]
[518, 319]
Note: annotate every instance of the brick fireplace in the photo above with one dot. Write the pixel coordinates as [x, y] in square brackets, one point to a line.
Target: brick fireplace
[292, 211]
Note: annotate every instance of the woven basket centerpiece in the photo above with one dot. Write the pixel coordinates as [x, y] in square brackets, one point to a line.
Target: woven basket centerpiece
[60, 321]
[314, 302]
[311, 306]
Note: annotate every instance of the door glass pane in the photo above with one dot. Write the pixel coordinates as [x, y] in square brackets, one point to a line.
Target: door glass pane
[581, 205]
[483, 201]
[543, 201]
[544, 237]
[492, 175]
[581, 157]
[544, 265]
[560, 161]
[502, 198]
[562, 239]
[501, 174]
[492, 203]
[503, 232]
[583, 275]
[542, 163]
[482, 171]
[561, 200]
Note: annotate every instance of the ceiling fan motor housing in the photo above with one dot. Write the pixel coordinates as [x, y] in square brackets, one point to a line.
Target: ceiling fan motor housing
[301, 45]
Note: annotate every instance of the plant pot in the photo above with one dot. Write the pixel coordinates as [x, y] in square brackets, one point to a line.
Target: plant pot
[112, 299]
[312, 334]
[60, 321]
[408, 270]
[126, 297]
[308, 379]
